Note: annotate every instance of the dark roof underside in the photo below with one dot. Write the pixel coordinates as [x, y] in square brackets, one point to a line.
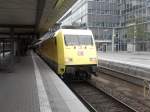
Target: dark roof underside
[31, 16]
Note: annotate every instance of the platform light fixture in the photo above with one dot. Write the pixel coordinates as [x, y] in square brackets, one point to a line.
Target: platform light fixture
[58, 4]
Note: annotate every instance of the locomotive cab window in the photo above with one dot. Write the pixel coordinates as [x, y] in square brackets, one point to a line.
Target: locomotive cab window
[71, 40]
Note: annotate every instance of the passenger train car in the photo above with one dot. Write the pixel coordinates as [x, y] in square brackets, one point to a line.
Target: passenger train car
[70, 51]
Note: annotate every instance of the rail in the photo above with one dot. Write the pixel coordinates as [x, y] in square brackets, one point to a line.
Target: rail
[134, 110]
[125, 106]
[90, 107]
[145, 81]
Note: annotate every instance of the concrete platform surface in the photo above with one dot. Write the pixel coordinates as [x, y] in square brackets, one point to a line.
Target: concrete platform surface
[134, 66]
[139, 59]
[33, 87]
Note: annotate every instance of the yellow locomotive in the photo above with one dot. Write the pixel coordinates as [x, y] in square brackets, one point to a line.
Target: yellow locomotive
[70, 51]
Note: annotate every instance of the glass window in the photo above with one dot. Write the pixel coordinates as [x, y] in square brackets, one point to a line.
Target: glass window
[71, 40]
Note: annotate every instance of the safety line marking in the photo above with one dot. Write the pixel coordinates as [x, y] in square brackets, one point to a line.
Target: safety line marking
[43, 98]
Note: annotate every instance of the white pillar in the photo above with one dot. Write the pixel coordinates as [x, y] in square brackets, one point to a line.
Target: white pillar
[113, 36]
[134, 39]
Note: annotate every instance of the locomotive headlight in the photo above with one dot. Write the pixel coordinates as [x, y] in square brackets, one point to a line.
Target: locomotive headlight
[93, 59]
[68, 60]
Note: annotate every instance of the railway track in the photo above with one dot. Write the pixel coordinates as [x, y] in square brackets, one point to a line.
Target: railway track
[137, 80]
[136, 101]
[101, 101]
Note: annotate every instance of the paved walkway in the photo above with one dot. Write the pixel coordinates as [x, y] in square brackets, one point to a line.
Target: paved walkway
[33, 87]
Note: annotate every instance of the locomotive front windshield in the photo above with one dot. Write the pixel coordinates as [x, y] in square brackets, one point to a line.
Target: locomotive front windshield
[71, 40]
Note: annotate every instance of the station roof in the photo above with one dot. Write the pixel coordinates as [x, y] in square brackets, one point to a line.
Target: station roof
[31, 16]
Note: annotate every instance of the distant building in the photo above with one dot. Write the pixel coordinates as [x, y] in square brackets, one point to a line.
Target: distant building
[135, 24]
[123, 24]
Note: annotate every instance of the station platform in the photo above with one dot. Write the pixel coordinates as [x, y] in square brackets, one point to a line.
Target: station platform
[33, 87]
[135, 64]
